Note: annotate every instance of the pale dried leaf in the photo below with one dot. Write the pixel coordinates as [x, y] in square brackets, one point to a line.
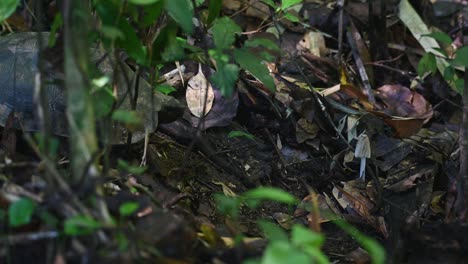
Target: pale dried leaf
[198, 90]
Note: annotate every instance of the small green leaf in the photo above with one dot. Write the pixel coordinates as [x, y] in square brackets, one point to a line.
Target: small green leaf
[173, 50]
[272, 231]
[152, 13]
[285, 4]
[165, 89]
[427, 64]
[126, 117]
[80, 225]
[439, 52]
[440, 36]
[7, 7]
[280, 252]
[262, 42]
[225, 79]
[143, 2]
[128, 208]
[291, 17]
[112, 33]
[102, 102]
[213, 10]
[56, 24]
[132, 43]
[224, 32]
[124, 165]
[182, 12]
[255, 66]
[270, 3]
[20, 212]
[461, 58]
[268, 193]
[237, 133]
[304, 237]
[229, 206]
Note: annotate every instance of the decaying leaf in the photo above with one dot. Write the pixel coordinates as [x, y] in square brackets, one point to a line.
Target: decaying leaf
[198, 90]
[352, 201]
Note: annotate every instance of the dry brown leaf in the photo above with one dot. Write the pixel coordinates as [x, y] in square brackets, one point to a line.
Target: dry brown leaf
[198, 89]
[351, 200]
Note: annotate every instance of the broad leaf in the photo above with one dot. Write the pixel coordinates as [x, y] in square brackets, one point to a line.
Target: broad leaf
[7, 7]
[225, 79]
[272, 231]
[440, 36]
[427, 64]
[280, 252]
[285, 4]
[213, 10]
[255, 66]
[224, 30]
[126, 117]
[80, 225]
[268, 193]
[461, 58]
[182, 12]
[20, 212]
[128, 208]
[302, 236]
[165, 89]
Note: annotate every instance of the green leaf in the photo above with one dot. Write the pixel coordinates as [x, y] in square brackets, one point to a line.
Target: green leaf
[80, 225]
[56, 24]
[375, 250]
[272, 231]
[124, 165]
[213, 10]
[440, 52]
[449, 74]
[270, 3]
[302, 236]
[224, 32]
[102, 97]
[268, 193]
[229, 206]
[291, 17]
[281, 252]
[427, 64]
[165, 89]
[132, 43]
[440, 36]
[226, 78]
[285, 4]
[20, 212]
[182, 12]
[143, 2]
[126, 117]
[237, 133]
[261, 42]
[152, 13]
[173, 50]
[128, 208]
[461, 58]
[255, 66]
[7, 7]
[112, 33]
